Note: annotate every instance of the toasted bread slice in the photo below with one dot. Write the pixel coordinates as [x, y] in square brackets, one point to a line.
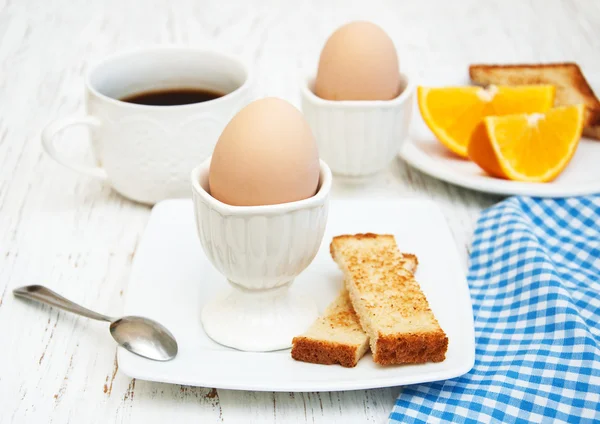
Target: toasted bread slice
[571, 86]
[337, 337]
[592, 132]
[334, 338]
[390, 305]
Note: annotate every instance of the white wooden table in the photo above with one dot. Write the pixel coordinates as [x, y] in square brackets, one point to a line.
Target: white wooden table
[78, 237]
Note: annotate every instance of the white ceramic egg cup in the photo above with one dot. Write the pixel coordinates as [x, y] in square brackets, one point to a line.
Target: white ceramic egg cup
[357, 137]
[259, 250]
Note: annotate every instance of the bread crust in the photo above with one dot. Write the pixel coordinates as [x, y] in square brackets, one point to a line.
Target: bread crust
[411, 348]
[592, 132]
[326, 353]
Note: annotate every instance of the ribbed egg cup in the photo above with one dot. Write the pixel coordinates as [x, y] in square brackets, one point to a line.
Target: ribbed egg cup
[260, 250]
[359, 138]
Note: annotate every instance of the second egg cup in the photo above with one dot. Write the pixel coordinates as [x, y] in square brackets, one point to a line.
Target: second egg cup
[358, 137]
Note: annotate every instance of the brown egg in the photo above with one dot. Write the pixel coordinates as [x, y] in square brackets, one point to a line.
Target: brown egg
[359, 62]
[266, 155]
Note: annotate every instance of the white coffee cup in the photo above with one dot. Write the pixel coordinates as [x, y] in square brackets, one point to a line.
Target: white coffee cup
[144, 152]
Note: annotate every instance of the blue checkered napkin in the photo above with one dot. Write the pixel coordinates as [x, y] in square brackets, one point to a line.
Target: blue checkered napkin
[535, 285]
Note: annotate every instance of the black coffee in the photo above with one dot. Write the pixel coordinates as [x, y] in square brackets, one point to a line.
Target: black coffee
[173, 97]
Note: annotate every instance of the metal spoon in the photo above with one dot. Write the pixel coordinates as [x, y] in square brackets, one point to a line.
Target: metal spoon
[139, 335]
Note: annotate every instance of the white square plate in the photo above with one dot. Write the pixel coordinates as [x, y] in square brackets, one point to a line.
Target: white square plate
[424, 152]
[171, 280]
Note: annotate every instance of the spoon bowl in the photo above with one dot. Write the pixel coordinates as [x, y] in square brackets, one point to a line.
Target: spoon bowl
[144, 337]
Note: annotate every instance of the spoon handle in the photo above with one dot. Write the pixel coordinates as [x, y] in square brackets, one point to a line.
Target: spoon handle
[45, 295]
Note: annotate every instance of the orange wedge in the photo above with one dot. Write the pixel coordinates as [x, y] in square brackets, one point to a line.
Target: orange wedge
[528, 147]
[452, 113]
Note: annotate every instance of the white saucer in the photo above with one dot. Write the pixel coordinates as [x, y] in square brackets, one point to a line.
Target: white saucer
[172, 279]
[424, 152]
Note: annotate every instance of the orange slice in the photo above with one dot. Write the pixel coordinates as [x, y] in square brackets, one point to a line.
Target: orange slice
[528, 147]
[452, 113]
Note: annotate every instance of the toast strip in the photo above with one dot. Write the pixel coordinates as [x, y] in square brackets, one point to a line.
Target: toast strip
[337, 337]
[388, 301]
[571, 86]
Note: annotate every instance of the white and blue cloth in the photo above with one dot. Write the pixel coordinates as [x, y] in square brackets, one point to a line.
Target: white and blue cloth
[535, 285]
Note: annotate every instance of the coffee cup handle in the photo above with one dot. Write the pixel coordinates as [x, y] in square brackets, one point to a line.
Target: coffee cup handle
[56, 127]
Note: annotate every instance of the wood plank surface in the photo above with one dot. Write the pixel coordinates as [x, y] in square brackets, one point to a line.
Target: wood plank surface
[77, 236]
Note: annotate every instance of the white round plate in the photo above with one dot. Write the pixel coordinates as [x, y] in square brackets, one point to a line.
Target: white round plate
[425, 153]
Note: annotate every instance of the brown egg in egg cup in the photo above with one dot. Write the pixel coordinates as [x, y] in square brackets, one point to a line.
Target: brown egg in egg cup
[359, 105]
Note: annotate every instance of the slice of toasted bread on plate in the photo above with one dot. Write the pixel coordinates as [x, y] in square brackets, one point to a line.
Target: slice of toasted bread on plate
[388, 301]
[337, 337]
